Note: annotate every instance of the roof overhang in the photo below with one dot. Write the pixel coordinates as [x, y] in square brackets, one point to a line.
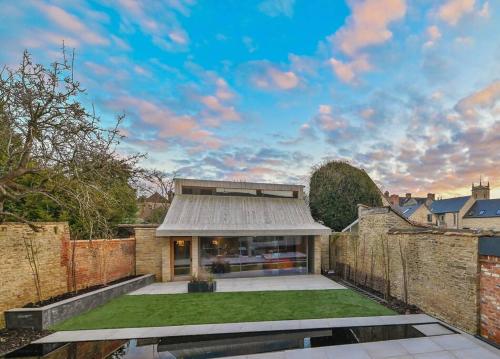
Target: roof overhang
[199, 215]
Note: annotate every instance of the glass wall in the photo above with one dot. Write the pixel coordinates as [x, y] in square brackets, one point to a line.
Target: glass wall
[254, 256]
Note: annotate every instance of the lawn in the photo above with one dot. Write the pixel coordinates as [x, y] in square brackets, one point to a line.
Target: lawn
[131, 311]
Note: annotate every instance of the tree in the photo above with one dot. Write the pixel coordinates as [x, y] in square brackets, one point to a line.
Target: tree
[57, 161]
[335, 190]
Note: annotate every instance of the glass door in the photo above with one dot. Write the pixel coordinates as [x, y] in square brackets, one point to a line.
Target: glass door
[182, 257]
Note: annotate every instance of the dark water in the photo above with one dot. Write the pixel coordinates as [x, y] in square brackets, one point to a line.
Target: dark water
[216, 345]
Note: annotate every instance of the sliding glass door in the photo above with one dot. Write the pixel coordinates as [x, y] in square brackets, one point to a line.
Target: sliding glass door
[254, 256]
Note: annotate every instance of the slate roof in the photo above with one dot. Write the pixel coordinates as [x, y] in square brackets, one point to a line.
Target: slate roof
[484, 208]
[155, 198]
[419, 200]
[448, 205]
[407, 211]
[207, 215]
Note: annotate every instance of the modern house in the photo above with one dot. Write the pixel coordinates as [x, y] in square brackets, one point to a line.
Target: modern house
[233, 229]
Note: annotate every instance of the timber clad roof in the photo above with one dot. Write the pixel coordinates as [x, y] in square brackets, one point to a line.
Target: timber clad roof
[449, 205]
[206, 215]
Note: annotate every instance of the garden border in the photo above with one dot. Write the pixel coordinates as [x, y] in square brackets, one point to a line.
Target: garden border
[44, 317]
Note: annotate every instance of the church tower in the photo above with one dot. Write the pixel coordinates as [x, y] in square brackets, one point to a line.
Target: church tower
[481, 191]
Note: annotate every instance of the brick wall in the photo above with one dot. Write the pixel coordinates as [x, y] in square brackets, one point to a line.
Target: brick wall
[101, 261]
[490, 298]
[53, 246]
[442, 266]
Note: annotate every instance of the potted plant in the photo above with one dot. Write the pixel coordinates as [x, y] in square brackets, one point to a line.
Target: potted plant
[201, 283]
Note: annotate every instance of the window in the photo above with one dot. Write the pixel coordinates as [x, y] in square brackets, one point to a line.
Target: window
[498, 212]
[454, 218]
[254, 256]
[481, 212]
[429, 218]
[406, 211]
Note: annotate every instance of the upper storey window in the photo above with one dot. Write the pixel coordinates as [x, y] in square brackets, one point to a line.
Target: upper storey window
[221, 191]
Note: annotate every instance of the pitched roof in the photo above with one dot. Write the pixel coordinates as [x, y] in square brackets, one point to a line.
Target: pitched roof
[484, 208]
[155, 198]
[403, 201]
[448, 205]
[205, 215]
[407, 211]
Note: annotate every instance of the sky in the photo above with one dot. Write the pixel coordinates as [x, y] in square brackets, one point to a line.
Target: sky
[408, 90]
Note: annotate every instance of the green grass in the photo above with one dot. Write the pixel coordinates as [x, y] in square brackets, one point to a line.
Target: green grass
[131, 311]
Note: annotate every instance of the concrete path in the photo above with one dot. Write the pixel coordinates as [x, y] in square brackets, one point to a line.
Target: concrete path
[151, 332]
[295, 282]
[454, 346]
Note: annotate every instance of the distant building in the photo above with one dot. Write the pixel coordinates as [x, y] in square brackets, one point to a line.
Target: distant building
[149, 207]
[476, 211]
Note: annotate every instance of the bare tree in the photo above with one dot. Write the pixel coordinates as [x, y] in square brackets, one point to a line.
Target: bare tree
[52, 146]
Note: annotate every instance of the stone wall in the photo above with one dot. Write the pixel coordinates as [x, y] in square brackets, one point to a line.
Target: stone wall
[442, 272]
[490, 298]
[482, 223]
[17, 286]
[150, 251]
[97, 262]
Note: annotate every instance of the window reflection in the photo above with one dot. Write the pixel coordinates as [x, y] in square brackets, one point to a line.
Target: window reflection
[254, 256]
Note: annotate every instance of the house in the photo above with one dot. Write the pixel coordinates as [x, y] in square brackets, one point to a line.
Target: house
[484, 214]
[238, 229]
[148, 207]
[416, 209]
[450, 212]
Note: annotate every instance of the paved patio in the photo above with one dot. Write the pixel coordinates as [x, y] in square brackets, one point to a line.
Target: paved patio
[295, 282]
[440, 343]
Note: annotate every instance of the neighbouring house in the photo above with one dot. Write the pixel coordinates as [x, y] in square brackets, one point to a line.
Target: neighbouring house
[153, 206]
[476, 211]
[484, 214]
[233, 229]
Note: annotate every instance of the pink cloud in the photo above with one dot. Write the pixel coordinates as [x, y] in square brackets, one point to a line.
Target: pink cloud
[223, 91]
[72, 24]
[453, 10]
[167, 123]
[227, 113]
[349, 71]
[368, 24]
[485, 98]
[433, 35]
[273, 78]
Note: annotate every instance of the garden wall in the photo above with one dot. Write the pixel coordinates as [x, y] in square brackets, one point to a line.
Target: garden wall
[441, 268]
[52, 246]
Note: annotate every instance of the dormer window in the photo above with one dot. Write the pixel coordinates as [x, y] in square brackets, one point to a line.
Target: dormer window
[498, 212]
[481, 212]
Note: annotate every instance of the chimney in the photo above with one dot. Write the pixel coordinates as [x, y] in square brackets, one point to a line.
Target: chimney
[431, 197]
[408, 195]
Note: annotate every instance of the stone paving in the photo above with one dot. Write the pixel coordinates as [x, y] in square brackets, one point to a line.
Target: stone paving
[439, 343]
[454, 346]
[201, 329]
[293, 282]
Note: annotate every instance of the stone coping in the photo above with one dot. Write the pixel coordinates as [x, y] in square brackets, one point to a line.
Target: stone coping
[78, 297]
[244, 327]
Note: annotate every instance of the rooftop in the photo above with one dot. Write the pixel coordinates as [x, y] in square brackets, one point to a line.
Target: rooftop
[484, 208]
[449, 205]
[211, 215]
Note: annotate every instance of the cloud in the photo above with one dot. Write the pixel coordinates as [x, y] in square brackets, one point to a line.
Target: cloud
[275, 8]
[453, 10]
[227, 113]
[223, 91]
[486, 98]
[71, 23]
[157, 19]
[433, 35]
[268, 76]
[162, 125]
[368, 24]
[249, 44]
[349, 72]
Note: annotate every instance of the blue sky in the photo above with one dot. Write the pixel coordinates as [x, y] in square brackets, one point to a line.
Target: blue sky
[264, 90]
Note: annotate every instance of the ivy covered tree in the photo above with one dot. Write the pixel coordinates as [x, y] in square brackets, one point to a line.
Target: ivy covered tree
[335, 190]
[57, 160]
